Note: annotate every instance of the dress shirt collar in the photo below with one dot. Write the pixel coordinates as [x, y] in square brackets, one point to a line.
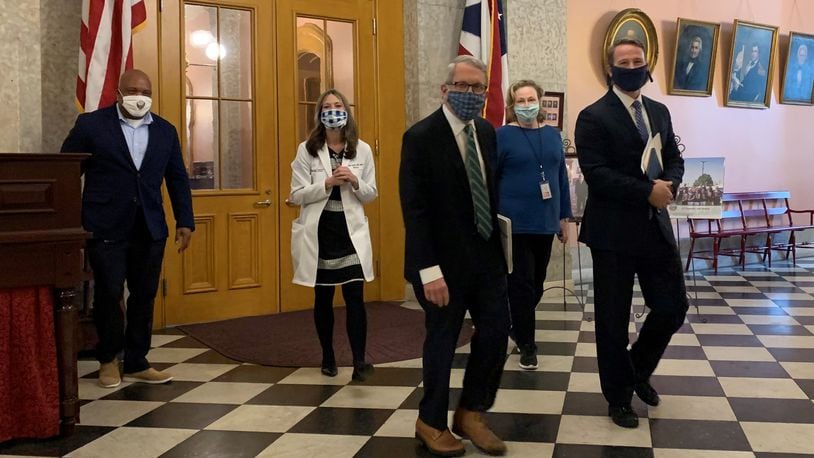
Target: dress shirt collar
[454, 122]
[147, 119]
[627, 100]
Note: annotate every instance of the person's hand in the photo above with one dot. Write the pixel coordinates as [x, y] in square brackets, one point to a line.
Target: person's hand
[343, 173]
[182, 237]
[332, 181]
[436, 292]
[563, 234]
[662, 193]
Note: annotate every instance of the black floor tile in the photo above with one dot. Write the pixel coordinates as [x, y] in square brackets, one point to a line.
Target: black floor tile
[725, 295]
[593, 404]
[535, 380]
[524, 427]
[805, 320]
[145, 392]
[556, 348]
[600, 451]
[687, 386]
[781, 455]
[696, 434]
[182, 415]
[778, 330]
[222, 443]
[248, 373]
[295, 395]
[773, 410]
[710, 318]
[718, 340]
[57, 446]
[796, 355]
[330, 420]
[684, 352]
[185, 342]
[793, 303]
[212, 357]
[557, 307]
[779, 289]
[762, 369]
[393, 376]
[169, 332]
[393, 447]
[414, 399]
[585, 364]
[459, 360]
[558, 325]
[807, 386]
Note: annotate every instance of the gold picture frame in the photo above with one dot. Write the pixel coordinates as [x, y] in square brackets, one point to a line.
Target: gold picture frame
[694, 58]
[797, 85]
[751, 65]
[632, 23]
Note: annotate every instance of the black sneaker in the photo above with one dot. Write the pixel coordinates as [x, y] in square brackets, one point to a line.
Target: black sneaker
[624, 416]
[528, 357]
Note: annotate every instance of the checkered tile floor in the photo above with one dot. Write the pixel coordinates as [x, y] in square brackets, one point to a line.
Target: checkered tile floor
[737, 381]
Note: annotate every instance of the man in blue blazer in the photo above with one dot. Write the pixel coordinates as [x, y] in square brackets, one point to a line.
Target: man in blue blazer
[132, 151]
[627, 227]
[454, 258]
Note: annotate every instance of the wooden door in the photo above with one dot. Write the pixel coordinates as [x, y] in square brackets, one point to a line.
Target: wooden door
[321, 44]
[217, 81]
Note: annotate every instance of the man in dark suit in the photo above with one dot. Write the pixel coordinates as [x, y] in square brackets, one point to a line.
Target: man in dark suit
[454, 258]
[627, 227]
[691, 72]
[132, 152]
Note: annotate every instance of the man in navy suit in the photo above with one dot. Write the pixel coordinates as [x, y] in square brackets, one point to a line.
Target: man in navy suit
[132, 152]
[454, 258]
[627, 227]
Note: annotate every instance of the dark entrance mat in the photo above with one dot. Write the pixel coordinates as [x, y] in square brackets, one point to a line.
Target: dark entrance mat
[394, 333]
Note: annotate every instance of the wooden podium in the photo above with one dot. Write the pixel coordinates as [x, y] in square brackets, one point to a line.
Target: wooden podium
[41, 238]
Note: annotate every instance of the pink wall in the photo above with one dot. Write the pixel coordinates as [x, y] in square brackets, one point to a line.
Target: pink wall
[764, 149]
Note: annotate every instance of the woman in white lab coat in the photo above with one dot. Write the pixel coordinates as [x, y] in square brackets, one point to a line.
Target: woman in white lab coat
[332, 176]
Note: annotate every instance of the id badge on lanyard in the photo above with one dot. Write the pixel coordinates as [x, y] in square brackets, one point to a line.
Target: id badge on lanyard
[545, 186]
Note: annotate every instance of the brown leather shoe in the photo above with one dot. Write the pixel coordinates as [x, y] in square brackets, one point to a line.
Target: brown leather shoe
[438, 442]
[148, 375]
[470, 425]
[109, 376]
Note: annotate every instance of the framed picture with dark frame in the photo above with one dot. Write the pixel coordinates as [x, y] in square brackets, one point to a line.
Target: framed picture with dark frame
[751, 63]
[632, 23]
[798, 74]
[694, 58]
[552, 104]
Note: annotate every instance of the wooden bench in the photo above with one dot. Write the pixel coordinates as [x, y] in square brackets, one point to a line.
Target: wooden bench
[745, 214]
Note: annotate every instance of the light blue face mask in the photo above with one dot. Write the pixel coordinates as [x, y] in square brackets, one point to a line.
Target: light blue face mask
[527, 113]
[334, 119]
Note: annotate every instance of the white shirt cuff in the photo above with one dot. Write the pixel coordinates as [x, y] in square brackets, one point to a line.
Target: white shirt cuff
[430, 274]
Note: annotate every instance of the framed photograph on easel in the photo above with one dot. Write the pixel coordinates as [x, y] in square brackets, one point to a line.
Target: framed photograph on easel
[552, 104]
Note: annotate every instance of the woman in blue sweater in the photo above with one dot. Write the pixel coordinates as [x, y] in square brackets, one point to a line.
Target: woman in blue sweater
[533, 192]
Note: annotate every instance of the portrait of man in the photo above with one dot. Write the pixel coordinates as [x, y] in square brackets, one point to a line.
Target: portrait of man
[799, 72]
[694, 60]
[750, 65]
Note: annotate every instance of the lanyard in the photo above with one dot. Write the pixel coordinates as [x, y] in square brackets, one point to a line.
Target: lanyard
[538, 156]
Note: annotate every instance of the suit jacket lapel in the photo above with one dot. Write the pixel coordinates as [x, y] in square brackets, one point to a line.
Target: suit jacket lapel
[649, 108]
[325, 159]
[449, 146]
[116, 131]
[622, 113]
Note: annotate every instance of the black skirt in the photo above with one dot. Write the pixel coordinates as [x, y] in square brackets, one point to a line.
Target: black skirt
[337, 262]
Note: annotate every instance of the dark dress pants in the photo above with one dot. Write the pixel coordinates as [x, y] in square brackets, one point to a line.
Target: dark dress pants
[483, 293]
[661, 278]
[138, 261]
[530, 256]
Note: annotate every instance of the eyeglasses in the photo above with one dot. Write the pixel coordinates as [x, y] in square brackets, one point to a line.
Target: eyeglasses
[462, 86]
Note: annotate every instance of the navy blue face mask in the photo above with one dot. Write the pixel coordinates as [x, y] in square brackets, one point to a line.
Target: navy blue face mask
[630, 79]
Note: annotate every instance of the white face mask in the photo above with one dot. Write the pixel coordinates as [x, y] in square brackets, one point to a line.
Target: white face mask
[136, 105]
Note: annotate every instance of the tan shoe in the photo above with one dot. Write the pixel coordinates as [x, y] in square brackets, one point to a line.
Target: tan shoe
[470, 425]
[109, 376]
[438, 442]
[148, 375]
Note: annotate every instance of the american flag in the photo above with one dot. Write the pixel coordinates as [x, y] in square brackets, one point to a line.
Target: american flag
[483, 35]
[105, 48]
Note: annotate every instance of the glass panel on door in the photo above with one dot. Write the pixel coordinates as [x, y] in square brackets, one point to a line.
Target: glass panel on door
[219, 117]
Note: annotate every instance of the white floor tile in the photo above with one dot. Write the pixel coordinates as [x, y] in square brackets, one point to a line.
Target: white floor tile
[369, 397]
[583, 429]
[529, 401]
[763, 388]
[293, 445]
[779, 437]
[129, 442]
[693, 408]
[271, 419]
[223, 393]
[738, 354]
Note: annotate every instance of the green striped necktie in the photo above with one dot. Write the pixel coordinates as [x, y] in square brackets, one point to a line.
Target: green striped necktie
[480, 196]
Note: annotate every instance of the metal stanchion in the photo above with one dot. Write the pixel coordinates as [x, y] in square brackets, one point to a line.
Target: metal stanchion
[565, 289]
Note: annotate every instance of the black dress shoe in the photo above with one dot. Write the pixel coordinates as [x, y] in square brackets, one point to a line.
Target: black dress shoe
[330, 371]
[623, 416]
[646, 393]
[362, 371]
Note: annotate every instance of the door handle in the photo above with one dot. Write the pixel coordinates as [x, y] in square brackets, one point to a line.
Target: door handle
[262, 203]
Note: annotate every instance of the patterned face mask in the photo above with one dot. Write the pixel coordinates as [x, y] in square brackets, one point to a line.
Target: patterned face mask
[334, 119]
[466, 105]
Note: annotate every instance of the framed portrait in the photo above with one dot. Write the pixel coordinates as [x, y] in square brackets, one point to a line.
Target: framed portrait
[552, 105]
[751, 62]
[694, 58]
[798, 74]
[632, 23]
[576, 185]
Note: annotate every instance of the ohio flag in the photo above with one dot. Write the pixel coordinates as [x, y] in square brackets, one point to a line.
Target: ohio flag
[484, 36]
[105, 48]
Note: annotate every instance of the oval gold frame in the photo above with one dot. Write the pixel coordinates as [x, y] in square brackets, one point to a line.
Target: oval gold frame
[651, 41]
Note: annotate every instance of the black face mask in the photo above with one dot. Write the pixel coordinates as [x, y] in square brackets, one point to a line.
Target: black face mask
[630, 79]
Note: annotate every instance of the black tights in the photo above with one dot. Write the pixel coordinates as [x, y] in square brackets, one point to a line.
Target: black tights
[356, 320]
